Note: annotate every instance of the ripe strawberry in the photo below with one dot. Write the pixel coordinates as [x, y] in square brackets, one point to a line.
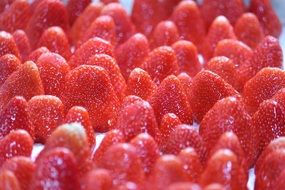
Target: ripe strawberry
[184, 186]
[24, 82]
[248, 30]
[90, 87]
[8, 64]
[8, 45]
[132, 53]
[207, 88]
[33, 56]
[8, 181]
[75, 8]
[103, 180]
[129, 100]
[140, 84]
[187, 57]
[186, 82]
[16, 143]
[23, 44]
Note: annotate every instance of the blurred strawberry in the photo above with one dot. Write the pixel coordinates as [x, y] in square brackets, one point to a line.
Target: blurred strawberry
[8, 64]
[8, 181]
[99, 179]
[75, 8]
[5, 4]
[23, 44]
[8, 45]
[33, 56]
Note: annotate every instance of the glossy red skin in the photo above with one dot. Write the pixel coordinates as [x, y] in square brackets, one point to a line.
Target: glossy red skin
[267, 17]
[75, 8]
[187, 57]
[90, 87]
[103, 180]
[219, 30]
[186, 82]
[23, 44]
[184, 186]
[80, 114]
[84, 20]
[191, 164]
[124, 27]
[262, 87]
[8, 45]
[231, 9]
[8, 181]
[56, 41]
[270, 170]
[33, 56]
[190, 24]
[89, 48]
[132, 53]
[8, 64]
[24, 82]
[147, 149]
[160, 63]
[164, 34]
[16, 143]
[110, 65]
[15, 116]
[5, 4]
[224, 168]
[23, 169]
[170, 98]
[207, 89]
[123, 158]
[46, 14]
[59, 161]
[140, 84]
[248, 30]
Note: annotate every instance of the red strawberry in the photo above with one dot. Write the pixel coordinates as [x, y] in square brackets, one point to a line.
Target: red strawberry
[231, 9]
[165, 33]
[279, 185]
[229, 114]
[123, 159]
[23, 44]
[116, 78]
[99, 179]
[37, 53]
[112, 137]
[248, 30]
[81, 115]
[8, 181]
[140, 84]
[45, 112]
[129, 100]
[57, 169]
[88, 49]
[102, 27]
[186, 82]
[24, 82]
[5, 4]
[53, 68]
[207, 88]
[124, 27]
[187, 57]
[90, 87]
[84, 20]
[56, 41]
[8, 64]
[15, 116]
[262, 87]
[75, 8]
[189, 22]
[48, 13]
[8, 45]
[220, 29]
[23, 168]
[147, 150]
[224, 168]
[184, 186]
[16, 16]
[16, 143]
[191, 164]
[132, 53]
[267, 17]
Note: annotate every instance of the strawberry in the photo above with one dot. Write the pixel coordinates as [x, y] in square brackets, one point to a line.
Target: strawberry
[8, 64]
[90, 87]
[16, 143]
[33, 56]
[207, 88]
[53, 68]
[103, 180]
[187, 57]
[140, 84]
[186, 82]
[267, 17]
[89, 48]
[164, 34]
[75, 8]
[23, 44]
[23, 169]
[184, 186]
[8, 181]
[132, 53]
[57, 169]
[147, 149]
[248, 30]
[8, 45]
[129, 100]
[24, 82]
[81, 115]
[279, 185]
[56, 41]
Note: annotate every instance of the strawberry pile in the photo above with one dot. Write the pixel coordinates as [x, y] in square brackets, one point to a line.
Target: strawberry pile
[189, 96]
